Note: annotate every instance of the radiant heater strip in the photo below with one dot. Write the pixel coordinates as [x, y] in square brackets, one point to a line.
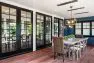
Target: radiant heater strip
[82, 12]
[76, 8]
[67, 2]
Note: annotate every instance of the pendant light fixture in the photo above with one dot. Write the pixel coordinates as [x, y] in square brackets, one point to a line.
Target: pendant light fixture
[72, 21]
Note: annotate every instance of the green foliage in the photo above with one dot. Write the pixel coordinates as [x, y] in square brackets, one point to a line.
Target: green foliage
[29, 29]
[13, 30]
[69, 36]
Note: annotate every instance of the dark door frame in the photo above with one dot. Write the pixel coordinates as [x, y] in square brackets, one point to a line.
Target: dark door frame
[44, 15]
[18, 31]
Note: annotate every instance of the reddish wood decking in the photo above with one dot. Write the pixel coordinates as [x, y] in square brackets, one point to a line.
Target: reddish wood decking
[46, 56]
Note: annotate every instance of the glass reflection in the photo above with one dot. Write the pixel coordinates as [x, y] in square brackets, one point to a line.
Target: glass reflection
[56, 27]
[26, 30]
[48, 30]
[60, 27]
[40, 30]
[8, 29]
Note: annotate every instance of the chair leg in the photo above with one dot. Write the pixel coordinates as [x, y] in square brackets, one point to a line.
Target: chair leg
[54, 55]
[77, 54]
[73, 55]
[69, 54]
[63, 57]
[80, 53]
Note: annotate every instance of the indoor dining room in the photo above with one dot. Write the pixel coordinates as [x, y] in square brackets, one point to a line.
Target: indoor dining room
[46, 31]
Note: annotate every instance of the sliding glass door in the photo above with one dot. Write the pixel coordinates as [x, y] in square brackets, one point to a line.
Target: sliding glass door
[8, 27]
[26, 30]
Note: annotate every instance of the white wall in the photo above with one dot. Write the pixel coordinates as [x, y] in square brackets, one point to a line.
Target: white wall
[34, 18]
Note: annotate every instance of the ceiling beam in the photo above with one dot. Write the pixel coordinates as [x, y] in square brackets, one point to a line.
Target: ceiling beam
[67, 2]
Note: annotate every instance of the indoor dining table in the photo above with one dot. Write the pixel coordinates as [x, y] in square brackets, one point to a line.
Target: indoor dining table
[74, 41]
[69, 43]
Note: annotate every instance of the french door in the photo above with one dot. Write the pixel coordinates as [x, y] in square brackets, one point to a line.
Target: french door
[48, 30]
[40, 30]
[26, 30]
[16, 30]
[8, 29]
[43, 30]
[58, 27]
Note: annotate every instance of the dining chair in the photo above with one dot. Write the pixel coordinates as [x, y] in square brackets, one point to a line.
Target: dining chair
[58, 47]
[84, 44]
[79, 36]
[76, 52]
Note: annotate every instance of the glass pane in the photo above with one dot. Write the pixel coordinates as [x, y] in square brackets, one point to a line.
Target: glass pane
[5, 25]
[23, 13]
[12, 11]
[23, 20]
[40, 30]
[5, 10]
[26, 30]
[28, 21]
[48, 30]
[8, 29]
[28, 14]
[42, 18]
[60, 27]
[29, 29]
[40, 33]
[78, 31]
[92, 31]
[38, 16]
[12, 30]
[78, 25]
[13, 19]
[86, 25]
[86, 31]
[56, 28]
[5, 33]
[92, 24]
[92, 28]
[86, 28]
[5, 17]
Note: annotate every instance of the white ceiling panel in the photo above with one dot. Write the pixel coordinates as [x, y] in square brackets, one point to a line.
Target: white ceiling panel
[50, 6]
